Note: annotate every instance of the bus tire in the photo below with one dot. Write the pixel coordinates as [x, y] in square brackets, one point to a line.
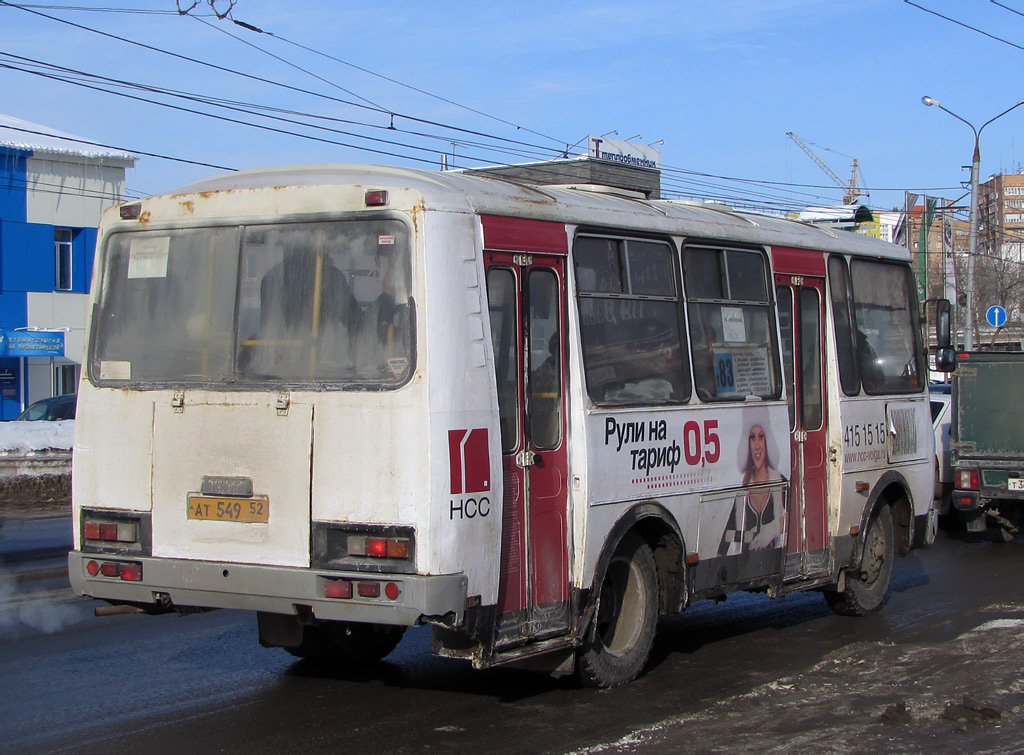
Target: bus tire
[348, 642]
[616, 648]
[867, 591]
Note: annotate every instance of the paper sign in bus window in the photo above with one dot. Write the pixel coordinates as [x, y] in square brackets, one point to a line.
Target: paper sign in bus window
[743, 371]
[147, 257]
[734, 330]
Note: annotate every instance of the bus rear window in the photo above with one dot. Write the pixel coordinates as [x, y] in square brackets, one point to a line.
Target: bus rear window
[293, 304]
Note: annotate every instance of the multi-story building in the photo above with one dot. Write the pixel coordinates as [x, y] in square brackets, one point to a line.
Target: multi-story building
[999, 265]
[53, 188]
[1001, 215]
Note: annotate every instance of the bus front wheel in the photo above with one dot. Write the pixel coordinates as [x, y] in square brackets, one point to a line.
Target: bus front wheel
[619, 642]
[867, 590]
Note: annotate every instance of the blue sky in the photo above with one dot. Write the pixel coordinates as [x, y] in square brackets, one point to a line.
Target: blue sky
[720, 82]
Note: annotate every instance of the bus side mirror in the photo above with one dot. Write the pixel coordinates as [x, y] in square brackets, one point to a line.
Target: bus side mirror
[945, 354]
[943, 324]
[945, 359]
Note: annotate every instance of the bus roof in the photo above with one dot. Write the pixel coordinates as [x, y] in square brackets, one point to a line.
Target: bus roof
[456, 191]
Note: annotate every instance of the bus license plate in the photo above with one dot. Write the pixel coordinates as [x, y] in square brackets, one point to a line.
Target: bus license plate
[1015, 483]
[211, 509]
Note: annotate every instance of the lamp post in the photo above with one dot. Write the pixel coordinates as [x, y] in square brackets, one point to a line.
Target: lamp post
[972, 235]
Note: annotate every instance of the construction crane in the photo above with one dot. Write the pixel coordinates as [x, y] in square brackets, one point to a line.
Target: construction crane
[851, 191]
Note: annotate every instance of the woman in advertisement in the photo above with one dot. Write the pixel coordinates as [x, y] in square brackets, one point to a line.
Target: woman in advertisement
[758, 517]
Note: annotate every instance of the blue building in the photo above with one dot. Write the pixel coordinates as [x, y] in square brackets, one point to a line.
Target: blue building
[53, 188]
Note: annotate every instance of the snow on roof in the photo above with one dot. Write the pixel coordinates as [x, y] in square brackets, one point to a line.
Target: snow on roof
[19, 134]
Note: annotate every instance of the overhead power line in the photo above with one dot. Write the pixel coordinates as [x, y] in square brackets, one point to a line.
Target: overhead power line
[684, 175]
[297, 67]
[734, 190]
[966, 26]
[400, 83]
[121, 149]
[59, 73]
[260, 79]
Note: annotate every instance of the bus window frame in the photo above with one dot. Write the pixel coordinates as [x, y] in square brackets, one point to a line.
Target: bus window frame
[242, 225]
[847, 364]
[769, 304]
[677, 298]
[917, 353]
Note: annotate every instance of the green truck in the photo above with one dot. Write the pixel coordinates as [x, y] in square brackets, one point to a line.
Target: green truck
[987, 441]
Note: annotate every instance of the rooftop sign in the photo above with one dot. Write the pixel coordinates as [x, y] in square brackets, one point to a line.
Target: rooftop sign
[627, 153]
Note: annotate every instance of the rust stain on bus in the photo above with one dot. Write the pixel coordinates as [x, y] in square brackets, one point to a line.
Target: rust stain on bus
[188, 206]
[418, 210]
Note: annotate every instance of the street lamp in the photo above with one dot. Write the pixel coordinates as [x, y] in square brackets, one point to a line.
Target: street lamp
[972, 236]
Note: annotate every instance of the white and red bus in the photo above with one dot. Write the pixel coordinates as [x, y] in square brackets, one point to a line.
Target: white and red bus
[355, 399]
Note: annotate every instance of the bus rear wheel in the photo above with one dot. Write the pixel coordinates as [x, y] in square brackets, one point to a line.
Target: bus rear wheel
[619, 642]
[867, 591]
[348, 642]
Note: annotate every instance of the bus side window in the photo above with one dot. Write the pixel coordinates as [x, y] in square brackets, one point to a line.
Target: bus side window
[731, 324]
[545, 360]
[839, 291]
[630, 322]
[501, 298]
[784, 298]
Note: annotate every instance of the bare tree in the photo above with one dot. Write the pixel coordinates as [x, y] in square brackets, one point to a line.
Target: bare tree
[999, 280]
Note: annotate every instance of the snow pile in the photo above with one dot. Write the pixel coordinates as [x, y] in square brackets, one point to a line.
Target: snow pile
[26, 437]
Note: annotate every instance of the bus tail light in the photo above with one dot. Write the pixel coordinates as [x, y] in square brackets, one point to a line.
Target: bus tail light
[369, 589]
[337, 588]
[127, 571]
[114, 532]
[347, 588]
[376, 198]
[378, 547]
[967, 479]
[131, 211]
[131, 572]
[119, 533]
[344, 546]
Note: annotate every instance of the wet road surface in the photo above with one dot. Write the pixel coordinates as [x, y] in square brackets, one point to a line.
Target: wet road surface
[750, 674]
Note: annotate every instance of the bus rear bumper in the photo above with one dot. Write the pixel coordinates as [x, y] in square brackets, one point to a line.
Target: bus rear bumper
[399, 599]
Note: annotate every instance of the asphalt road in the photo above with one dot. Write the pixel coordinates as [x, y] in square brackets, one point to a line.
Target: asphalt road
[748, 674]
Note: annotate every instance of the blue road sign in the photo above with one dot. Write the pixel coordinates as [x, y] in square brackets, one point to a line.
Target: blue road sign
[996, 316]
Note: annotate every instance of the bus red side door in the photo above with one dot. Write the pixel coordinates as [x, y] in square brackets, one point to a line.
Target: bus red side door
[526, 299]
[800, 287]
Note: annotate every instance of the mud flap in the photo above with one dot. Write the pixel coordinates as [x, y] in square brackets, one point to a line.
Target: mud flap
[278, 630]
[974, 520]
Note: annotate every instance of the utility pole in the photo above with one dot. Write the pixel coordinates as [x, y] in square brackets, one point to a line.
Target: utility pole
[972, 237]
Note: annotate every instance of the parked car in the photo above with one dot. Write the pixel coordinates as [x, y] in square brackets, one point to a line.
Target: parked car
[51, 409]
[941, 403]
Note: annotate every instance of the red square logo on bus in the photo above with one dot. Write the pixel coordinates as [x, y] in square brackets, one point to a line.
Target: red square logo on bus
[470, 463]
